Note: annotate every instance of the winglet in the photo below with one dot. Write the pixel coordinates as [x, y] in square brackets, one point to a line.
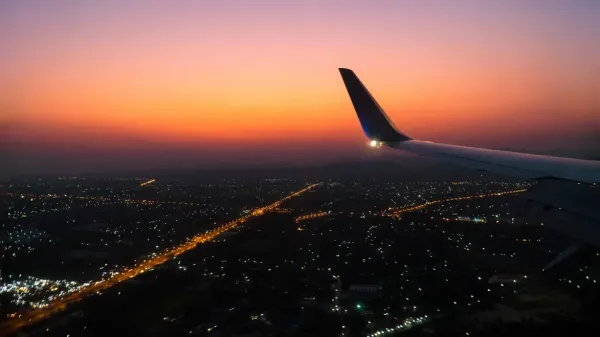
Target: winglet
[375, 123]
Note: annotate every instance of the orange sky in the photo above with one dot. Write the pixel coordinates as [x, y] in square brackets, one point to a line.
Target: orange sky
[193, 74]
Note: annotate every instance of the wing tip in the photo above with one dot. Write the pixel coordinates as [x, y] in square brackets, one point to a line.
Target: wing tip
[346, 72]
[374, 121]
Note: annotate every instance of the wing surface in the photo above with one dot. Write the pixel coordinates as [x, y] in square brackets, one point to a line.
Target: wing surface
[377, 126]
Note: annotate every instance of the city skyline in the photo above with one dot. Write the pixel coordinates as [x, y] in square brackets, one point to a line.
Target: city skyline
[121, 85]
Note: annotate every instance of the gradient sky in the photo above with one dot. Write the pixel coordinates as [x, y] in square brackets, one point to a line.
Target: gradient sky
[97, 85]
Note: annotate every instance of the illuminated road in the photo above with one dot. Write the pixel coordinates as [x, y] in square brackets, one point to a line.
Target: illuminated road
[311, 216]
[407, 324]
[147, 182]
[396, 212]
[20, 320]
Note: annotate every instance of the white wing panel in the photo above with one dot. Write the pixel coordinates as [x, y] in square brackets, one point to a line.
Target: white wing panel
[522, 165]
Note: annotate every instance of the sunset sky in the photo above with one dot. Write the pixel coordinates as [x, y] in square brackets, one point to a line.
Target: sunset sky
[103, 85]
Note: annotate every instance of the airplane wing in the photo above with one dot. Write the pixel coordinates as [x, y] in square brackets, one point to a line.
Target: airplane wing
[380, 129]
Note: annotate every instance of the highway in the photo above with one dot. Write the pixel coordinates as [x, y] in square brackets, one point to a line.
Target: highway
[311, 216]
[397, 212]
[407, 324]
[147, 182]
[20, 320]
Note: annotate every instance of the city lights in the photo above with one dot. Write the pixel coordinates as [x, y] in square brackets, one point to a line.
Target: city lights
[58, 304]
